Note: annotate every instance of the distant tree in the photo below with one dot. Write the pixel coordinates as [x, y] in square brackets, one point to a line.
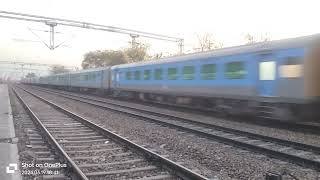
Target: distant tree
[206, 42]
[250, 39]
[137, 53]
[104, 58]
[30, 75]
[57, 69]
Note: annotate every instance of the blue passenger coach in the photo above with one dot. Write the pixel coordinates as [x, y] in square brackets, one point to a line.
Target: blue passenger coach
[239, 76]
[266, 78]
[90, 79]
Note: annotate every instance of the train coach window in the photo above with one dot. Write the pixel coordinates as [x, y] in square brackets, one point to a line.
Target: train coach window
[146, 75]
[292, 68]
[158, 74]
[86, 77]
[92, 76]
[137, 75]
[208, 71]
[172, 73]
[235, 70]
[128, 75]
[267, 70]
[188, 72]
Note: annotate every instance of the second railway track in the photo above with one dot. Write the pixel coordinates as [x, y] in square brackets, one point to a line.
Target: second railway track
[309, 127]
[299, 153]
[93, 152]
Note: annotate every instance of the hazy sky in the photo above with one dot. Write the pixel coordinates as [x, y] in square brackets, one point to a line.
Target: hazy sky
[227, 20]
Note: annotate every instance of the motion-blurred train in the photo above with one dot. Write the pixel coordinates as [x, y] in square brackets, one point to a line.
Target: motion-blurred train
[276, 79]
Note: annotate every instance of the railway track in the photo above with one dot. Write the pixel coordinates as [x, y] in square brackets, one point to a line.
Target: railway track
[309, 127]
[299, 153]
[92, 152]
[37, 152]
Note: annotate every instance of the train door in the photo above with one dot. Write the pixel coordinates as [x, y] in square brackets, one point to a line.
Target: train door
[115, 78]
[267, 78]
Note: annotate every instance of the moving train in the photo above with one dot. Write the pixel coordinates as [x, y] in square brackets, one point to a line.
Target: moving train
[276, 79]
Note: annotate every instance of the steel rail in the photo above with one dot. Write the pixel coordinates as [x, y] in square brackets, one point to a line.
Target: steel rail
[175, 168]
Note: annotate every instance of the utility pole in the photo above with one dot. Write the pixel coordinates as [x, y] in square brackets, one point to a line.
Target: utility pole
[134, 42]
[52, 25]
[22, 65]
[181, 45]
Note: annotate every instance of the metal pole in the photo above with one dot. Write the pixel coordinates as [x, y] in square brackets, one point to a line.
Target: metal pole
[181, 46]
[51, 37]
[133, 42]
[22, 70]
[52, 25]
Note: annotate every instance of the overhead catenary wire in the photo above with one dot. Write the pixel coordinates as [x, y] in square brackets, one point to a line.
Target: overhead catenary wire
[50, 21]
